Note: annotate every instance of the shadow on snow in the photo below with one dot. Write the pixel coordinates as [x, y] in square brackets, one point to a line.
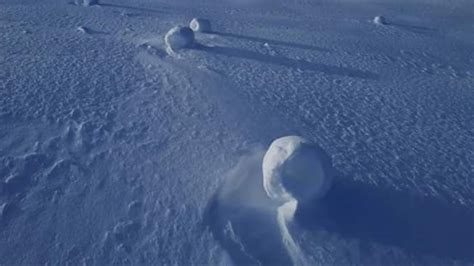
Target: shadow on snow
[136, 8]
[243, 220]
[274, 42]
[417, 224]
[287, 62]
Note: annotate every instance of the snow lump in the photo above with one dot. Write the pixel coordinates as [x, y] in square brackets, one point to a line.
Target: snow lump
[200, 25]
[178, 38]
[87, 2]
[380, 20]
[296, 169]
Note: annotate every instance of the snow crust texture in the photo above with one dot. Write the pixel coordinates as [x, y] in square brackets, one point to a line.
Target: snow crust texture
[294, 168]
[112, 151]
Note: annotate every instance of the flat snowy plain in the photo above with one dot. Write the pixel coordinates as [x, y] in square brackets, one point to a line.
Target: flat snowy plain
[114, 152]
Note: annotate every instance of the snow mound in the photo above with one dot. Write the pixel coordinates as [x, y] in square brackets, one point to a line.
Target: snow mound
[380, 20]
[178, 38]
[296, 169]
[200, 25]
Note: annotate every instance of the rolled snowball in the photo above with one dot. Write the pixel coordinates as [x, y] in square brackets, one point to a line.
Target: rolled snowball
[200, 25]
[179, 38]
[87, 2]
[380, 20]
[294, 168]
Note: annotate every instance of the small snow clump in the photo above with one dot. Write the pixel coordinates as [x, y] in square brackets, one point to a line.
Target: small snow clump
[82, 29]
[200, 25]
[86, 2]
[380, 20]
[179, 38]
[296, 169]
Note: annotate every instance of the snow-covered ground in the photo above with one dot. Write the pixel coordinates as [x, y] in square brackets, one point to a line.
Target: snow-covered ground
[113, 151]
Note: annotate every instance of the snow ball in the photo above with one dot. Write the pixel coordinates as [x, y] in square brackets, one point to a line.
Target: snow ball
[200, 25]
[296, 169]
[380, 20]
[90, 2]
[179, 38]
[82, 29]
[86, 2]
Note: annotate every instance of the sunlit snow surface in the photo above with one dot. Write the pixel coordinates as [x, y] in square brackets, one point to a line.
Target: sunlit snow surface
[113, 151]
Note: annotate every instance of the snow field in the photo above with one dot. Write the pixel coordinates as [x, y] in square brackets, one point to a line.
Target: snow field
[111, 151]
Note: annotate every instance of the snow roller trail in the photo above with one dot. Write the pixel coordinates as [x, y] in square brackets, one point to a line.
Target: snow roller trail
[252, 228]
[241, 204]
[247, 223]
[285, 214]
[260, 197]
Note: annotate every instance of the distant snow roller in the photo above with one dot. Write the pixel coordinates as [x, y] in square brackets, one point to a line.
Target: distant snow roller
[200, 25]
[87, 2]
[380, 20]
[179, 38]
[294, 169]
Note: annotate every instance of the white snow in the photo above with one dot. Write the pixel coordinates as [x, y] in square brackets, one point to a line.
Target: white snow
[178, 38]
[200, 25]
[296, 169]
[111, 151]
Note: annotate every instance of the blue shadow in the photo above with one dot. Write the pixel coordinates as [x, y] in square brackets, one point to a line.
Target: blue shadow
[288, 62]
[274, 42]
[417, 224]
